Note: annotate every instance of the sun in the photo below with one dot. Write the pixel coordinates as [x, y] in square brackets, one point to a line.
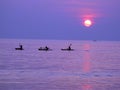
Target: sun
[87, 23]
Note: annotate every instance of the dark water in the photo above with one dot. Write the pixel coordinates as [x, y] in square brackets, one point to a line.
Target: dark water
[92, 66]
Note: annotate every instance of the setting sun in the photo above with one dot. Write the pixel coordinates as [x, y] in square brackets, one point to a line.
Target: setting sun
[87, 23]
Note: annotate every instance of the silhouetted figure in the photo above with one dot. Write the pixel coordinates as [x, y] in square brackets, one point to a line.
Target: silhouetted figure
[69, 47]
[20, 47]
[46, 48]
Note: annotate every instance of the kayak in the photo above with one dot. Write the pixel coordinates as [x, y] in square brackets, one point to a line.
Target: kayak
[19, 49]
[67, 49]
[41, 49]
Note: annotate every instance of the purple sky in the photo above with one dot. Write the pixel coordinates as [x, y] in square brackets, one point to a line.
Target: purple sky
[60, 19]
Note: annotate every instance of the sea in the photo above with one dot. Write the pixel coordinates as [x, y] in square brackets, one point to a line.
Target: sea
[93, 65]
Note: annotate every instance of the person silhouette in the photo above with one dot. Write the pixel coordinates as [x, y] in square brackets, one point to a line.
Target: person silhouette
[69, 47]
[46, 48]
[21, 47]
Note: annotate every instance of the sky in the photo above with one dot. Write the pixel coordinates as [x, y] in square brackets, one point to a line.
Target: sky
[60, 19]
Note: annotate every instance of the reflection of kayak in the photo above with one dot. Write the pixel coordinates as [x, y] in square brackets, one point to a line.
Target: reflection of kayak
[44, 49]
[67, 49]
[19, 49]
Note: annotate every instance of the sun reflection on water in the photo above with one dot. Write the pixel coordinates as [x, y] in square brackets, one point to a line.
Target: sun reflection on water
[86, 58]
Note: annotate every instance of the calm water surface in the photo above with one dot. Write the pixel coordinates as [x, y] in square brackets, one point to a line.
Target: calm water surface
[92, 66]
